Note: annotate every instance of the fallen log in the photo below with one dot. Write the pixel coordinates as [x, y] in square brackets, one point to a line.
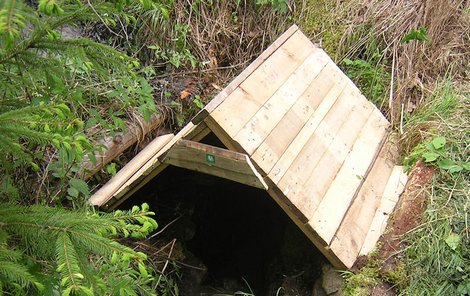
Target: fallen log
[115, 145]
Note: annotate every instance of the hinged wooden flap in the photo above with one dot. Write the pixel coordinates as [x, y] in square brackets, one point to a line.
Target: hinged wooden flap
[214, 161]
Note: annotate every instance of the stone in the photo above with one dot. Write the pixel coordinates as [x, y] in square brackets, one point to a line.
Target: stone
[332, 282]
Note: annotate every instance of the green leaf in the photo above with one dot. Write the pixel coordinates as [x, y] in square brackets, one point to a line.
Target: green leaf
[466, 165]
[438, 142]
[80, 185]
[111, 169]
[418, 35]
[453, 241]
[86, 291]
[451, 166]
[430, 156]
[73, 192]
[197, 101]
[145, 207]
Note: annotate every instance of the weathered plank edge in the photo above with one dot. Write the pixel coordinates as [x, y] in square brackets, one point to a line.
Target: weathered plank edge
[106, 192]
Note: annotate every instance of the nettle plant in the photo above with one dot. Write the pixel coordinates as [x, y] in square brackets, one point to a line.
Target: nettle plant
[438, 152]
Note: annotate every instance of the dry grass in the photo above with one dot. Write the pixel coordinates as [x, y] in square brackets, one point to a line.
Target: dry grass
[417, 65]
[223, 36]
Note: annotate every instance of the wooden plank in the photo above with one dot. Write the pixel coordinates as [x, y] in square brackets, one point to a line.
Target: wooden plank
[329, 214]
[352, 233]
[395, 186]
[105, 193]
[305, 134]
[272, 148]
[245, 100]
[152, 163]
[324, 169]
[214, 161]
[214, 103]
[298, 172]
[266, 118]
[117, 144]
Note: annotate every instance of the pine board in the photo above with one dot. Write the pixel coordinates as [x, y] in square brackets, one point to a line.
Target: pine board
[351, 235]
[237, 109]
[268, 116]
[279, 139]
[305, 134]
[214, 161]
[329, 214]
[324, 171]
[297, 174]
[395, 186]
[214, 103]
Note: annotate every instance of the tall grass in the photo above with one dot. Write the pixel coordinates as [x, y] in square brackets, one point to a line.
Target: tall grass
[438, 254]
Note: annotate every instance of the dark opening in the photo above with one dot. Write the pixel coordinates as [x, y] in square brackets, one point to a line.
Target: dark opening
[236, 235]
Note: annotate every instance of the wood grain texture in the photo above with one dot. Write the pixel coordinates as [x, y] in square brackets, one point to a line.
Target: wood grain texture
[299, 171]
[105, 193]
[303, 137]
[237, 109]
[324, 167]
[329, 214]
[352, 232]
[273, 110]
[284, 133]
[214, 161]
[394, 187]
[117, 144]
[214, 103]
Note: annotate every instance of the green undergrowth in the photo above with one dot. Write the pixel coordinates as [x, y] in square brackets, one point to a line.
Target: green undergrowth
[436, 260]
[438, 254]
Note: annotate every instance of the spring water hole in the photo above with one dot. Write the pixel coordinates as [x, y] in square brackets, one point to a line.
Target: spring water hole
[228, 237]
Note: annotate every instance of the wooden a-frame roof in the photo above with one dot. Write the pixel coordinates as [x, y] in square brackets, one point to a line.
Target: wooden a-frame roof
[296, 126]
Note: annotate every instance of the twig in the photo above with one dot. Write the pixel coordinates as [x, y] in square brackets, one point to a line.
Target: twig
[102, 20]
[43, 179]
[401, 118]
[166, 226]
[390, 102]
[166, 263]
[203, 71]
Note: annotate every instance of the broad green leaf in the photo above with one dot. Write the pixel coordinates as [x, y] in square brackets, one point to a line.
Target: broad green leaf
[466, 165]
[111, 169]
[80, 185]
[451, 166]
[438, 142]
[430, 156]
[453, 241]
[73, 192]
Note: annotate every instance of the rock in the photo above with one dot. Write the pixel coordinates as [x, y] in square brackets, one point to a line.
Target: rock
[317, 289]
[332, 282]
